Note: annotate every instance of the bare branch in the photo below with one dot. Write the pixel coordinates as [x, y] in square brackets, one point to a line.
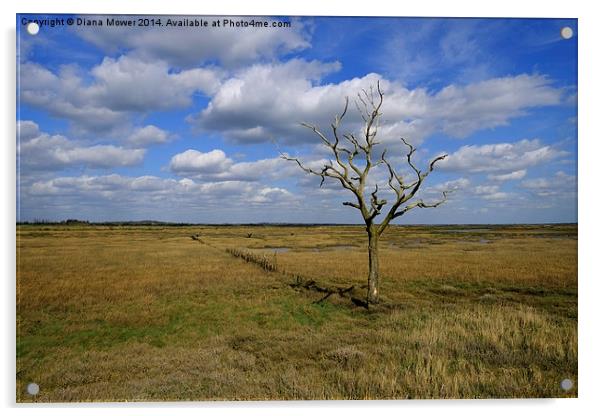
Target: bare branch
[336, 149]
[432, 165]
[422, 204]
[409, 157]
[365, 112]
[351, 204]
[318, 133]
[359, 110]
[339, 118]
[327, 171]
[373, 115]
[393, 175]
[412, 187]
[303, 167]
[356, 144]
[330, 170]
[375, 203]
[337, 123]
[343, 176]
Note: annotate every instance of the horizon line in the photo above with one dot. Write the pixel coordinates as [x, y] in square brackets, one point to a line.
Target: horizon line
[260, 223]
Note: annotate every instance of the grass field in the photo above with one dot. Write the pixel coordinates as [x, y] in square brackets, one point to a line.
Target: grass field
[148, 313]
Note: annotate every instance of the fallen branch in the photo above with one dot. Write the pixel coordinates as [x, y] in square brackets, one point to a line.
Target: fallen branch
[341, 292]
[267, 263]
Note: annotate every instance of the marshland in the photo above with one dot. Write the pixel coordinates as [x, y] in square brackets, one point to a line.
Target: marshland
[158, 312]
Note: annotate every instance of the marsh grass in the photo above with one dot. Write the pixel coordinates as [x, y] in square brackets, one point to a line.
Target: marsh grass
[147, 313]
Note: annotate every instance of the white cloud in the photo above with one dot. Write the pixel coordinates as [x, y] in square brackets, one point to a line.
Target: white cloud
[63, 95]
[273, 169]
[149, 197]
[486, 189]
[268, 195]
[500, 157]
[498, 196]
[195, 162]
[454, 185]
[268, 101]
[129, 84]
[106, 185]
[216, 166]
[104, 156]
[512, 176]
[491, 103]
[558, 185]
[187, 47]
[27, 130]
[147, 135]
[462, 189]
[52, 152]
[118, 88]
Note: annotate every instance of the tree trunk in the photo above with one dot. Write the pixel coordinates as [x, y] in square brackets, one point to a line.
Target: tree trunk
[373, 283]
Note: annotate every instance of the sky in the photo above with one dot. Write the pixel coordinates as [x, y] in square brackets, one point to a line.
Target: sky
[187, 124]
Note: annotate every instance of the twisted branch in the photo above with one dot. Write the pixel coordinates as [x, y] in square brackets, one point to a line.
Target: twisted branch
[353, 177]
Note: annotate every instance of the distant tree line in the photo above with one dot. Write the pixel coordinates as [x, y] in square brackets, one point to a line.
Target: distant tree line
[69, 221]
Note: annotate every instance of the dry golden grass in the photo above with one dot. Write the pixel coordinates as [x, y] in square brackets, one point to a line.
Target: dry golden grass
[147, 313]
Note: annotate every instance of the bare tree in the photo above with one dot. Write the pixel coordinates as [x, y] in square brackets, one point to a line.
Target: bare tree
[352, 172]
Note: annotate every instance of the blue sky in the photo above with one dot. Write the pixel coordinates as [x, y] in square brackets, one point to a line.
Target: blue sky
[186, 124]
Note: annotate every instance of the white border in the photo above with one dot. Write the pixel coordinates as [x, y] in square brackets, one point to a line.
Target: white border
[590, 68]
